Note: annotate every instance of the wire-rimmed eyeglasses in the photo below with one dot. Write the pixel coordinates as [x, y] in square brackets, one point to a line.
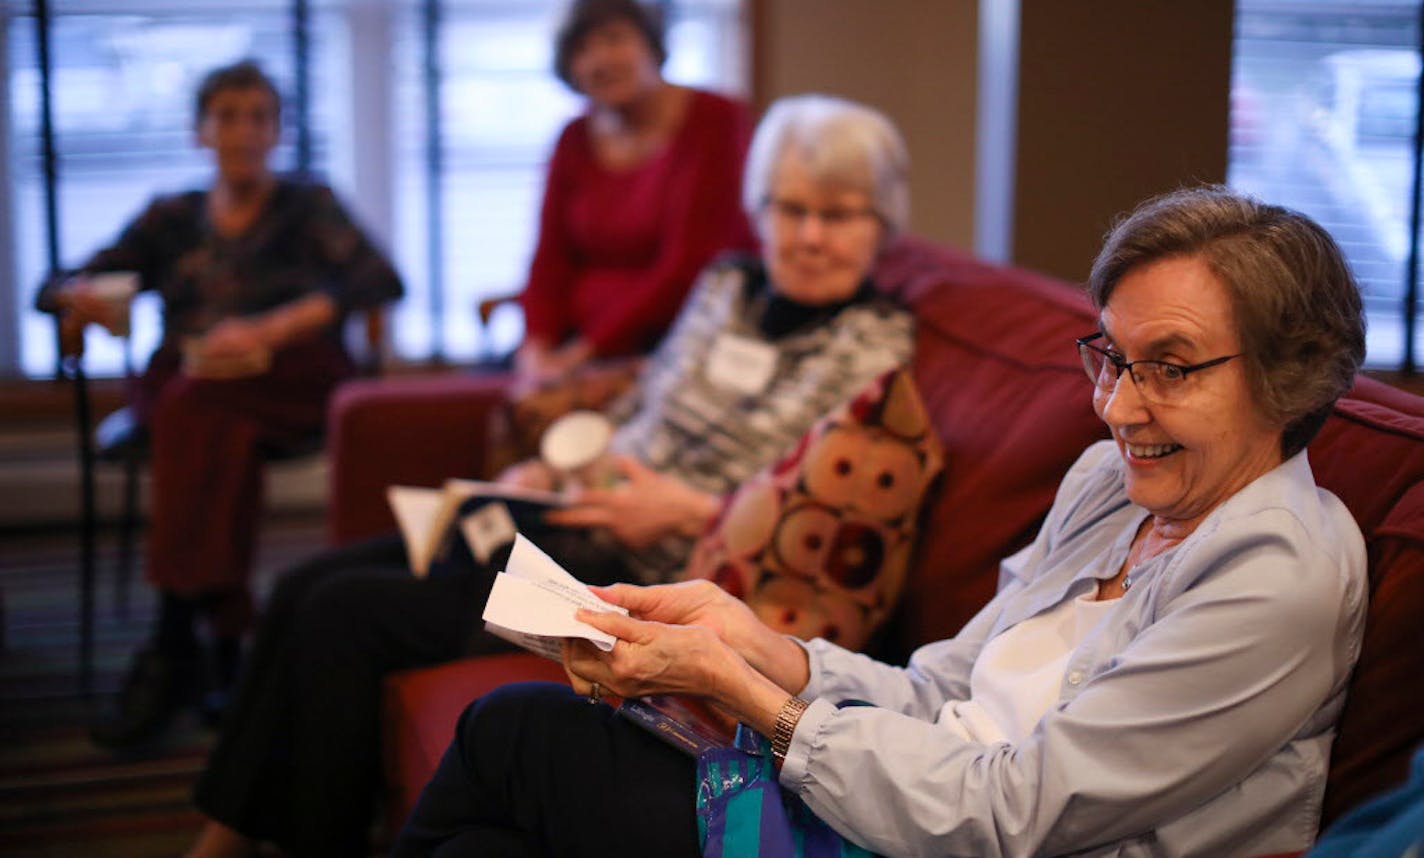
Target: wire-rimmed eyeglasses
[1159, 381]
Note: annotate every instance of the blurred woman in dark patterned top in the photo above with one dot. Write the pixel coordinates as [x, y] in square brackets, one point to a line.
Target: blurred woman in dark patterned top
[257, 274]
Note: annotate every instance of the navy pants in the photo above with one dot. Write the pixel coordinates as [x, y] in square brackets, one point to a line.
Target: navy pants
[535, 769]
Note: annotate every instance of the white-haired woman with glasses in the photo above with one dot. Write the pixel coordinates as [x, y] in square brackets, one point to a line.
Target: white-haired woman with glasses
[1159, 674]
[763, 348]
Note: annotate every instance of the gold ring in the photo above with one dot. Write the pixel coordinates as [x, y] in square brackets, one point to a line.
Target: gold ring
[594, 692]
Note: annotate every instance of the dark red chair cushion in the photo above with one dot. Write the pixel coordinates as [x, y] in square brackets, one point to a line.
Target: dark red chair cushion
[1000, 376]
[403, 430]
[1370, 453]
[419, 712]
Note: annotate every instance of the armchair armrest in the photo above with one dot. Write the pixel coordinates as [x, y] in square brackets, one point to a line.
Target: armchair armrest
[372, 357]
[486, 307]
[411, 430]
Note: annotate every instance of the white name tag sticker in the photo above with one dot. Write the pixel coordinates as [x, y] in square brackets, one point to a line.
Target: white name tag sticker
[487, 529]
[741, 364]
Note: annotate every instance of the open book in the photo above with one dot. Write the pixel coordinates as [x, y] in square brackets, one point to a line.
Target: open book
[532, 605]
[427, 518]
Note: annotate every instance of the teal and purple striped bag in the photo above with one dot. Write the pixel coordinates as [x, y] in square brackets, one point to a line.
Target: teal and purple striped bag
[743, 813]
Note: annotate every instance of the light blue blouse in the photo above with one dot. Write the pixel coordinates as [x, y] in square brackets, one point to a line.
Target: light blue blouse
[1196, 719]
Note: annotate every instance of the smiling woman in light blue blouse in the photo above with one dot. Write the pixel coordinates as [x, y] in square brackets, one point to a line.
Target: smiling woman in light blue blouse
[1159, 674]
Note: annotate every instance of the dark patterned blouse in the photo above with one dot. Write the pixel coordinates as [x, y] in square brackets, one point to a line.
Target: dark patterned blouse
[302, 242]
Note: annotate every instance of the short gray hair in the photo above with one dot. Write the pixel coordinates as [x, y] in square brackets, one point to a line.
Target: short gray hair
[841, 143]
[1298, 308]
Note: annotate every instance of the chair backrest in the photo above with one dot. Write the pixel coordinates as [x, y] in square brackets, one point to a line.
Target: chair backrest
[1370, 454]
[371, 361]
[71, 337]
[996, 367]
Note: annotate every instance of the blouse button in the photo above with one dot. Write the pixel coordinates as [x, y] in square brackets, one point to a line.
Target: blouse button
[1075, 678]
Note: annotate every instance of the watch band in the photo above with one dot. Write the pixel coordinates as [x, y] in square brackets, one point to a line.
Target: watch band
[785, 727]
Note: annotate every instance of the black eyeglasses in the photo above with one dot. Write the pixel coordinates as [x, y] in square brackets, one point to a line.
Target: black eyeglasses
[1159, 381]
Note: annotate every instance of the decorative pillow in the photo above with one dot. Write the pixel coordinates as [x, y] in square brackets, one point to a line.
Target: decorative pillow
[819, 542]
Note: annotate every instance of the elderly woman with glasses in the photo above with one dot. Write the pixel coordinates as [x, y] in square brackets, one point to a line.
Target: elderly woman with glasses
[1160, 673]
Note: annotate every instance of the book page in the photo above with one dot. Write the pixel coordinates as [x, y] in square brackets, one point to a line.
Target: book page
[533, 601]
[425, 514]
[416, 509]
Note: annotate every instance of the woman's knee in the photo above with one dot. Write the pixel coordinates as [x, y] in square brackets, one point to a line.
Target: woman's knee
[294, 585]
[342, 603]
[518, 703]
[184, 402]
[507, 717]
[331, 580]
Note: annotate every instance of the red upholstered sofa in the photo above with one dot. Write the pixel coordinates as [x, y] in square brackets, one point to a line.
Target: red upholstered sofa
[996, 365]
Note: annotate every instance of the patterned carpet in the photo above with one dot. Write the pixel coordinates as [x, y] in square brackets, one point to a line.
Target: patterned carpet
[59, 794]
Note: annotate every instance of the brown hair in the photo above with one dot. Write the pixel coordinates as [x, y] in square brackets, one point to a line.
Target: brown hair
[584, 16]
[1297, 306]
[246, 74]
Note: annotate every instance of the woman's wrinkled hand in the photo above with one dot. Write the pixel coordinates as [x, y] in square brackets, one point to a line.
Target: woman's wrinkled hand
[641, 509]
[233, 348]
[581, 686]
[704, 604]
[537, 365]
[84, 307]
[650, 658]
[699, 603]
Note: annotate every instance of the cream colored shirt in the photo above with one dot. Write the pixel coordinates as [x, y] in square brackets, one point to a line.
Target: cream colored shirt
[1016, 678]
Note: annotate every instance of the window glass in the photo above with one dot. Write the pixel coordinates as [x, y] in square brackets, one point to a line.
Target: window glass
[124, 77]
[500, 108]
[1323, 103]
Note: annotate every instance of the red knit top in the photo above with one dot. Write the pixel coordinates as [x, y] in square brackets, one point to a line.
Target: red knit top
[619, 249]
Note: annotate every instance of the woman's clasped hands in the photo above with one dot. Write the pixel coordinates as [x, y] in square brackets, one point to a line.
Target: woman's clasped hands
[235, 347]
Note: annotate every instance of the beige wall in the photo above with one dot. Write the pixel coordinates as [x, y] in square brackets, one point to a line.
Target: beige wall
[913, 59]
[1114, 106]
[1118, 100]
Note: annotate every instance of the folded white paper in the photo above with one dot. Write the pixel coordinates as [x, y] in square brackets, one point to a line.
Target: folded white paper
[533, 601]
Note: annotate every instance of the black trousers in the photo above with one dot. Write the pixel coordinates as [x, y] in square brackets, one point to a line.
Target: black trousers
[536, 770]
[298, 760]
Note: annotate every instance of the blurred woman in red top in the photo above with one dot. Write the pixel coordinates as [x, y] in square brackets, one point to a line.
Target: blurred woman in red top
[641, 193]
